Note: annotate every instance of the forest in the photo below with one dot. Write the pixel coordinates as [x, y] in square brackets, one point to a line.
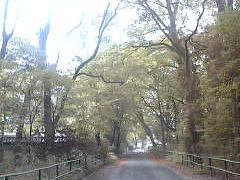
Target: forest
[174, 81]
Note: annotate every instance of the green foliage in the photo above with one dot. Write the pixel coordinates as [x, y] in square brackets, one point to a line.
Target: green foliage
[220, 90]
[130, 78]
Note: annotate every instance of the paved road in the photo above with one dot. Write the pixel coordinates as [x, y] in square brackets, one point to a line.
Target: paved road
[136, 169]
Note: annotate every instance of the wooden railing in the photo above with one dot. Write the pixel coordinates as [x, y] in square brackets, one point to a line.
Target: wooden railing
[35, 140]
[228, 167]
[59, 170]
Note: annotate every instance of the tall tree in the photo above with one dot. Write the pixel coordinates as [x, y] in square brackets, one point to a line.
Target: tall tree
[5, 36]
[47, 101]
[179, 44]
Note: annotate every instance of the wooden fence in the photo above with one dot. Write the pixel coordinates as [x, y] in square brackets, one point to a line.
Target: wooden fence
[12, 140]
[59, 170]
[228, 167]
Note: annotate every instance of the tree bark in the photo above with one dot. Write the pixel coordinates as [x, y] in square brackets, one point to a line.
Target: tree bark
[23, 114]
[163, 135]
[48, 121]
[2, 137]
[191, 134]
[118, 142]
[6, 37]
[184, 61]
[98, 139]
[221, 4]
[147, 130]
[114, 133]
[47, 101]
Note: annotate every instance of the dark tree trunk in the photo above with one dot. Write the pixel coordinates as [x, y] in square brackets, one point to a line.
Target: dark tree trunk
[23, 114]
[230, 4]
[221, 4]
[135, 141]
[114, 133]
[147, 130]
[5, 37]
[98, 139]
[47, 101]
[3, 51]
[48, 122]
[163, 135]
[191, 135]
[118, 140]
[2, 137]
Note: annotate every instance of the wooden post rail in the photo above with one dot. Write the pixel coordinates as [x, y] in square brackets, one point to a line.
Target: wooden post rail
[208, 162]
[58, 170]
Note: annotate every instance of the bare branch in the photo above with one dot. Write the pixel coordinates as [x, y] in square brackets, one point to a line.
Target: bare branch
[161, 25]
[154, 15]
[66, 36]
[154, 45]
[198, 21]
[174, 98]
[102, 78]
[104, 24]
[6, 37]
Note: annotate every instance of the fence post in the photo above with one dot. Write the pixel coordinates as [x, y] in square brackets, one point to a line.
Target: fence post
[85, 161]
[39, 174]
[193, 161]
[57, 171]
[210, 165]
[201, 160]
[182, 158]
[187, 159]
[226, 168]
[92, 161]
[70, 166]
[6, 178]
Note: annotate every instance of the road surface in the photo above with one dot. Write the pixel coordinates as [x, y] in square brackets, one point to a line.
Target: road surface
[135, 168]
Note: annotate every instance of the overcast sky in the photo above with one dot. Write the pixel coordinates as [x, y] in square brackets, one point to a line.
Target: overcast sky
[64, 15]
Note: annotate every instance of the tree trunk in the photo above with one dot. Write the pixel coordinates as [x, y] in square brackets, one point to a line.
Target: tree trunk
[47, 101]
[163, 135]
[3, 51]
[230, 4]
[135, 141]
[2, 137]
[48, 123]
[117, 141]
[147, 130]
[98, 139]
[114, 133]
[24, 111]
[190, 135]
[5, 37]
[221, 4]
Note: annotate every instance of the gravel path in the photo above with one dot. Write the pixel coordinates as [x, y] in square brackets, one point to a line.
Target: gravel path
[135, 168]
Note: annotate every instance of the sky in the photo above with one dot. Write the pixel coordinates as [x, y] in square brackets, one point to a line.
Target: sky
[30, 15]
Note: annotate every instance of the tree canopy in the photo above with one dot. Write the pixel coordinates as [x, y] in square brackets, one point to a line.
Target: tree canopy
[174, 83]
